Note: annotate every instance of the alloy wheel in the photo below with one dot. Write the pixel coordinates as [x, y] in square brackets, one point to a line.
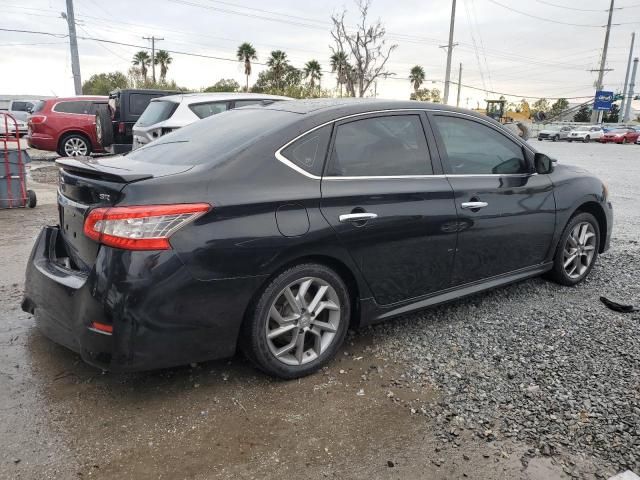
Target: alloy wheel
[303, 321]
[75, 147]
[579, 250]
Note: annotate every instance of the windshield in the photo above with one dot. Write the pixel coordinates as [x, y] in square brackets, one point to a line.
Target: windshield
[214, 138]
[156, 112]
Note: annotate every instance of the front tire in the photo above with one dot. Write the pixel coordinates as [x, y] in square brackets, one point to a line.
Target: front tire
[577, 250]
[74, 145]
[556, 138]
[586, 139]
[299, 321]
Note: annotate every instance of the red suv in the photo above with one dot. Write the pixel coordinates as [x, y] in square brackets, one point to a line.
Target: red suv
[66, 125]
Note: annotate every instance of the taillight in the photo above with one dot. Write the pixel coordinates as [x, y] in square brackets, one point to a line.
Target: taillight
[144, 227]
[37, 119]
[122, 127]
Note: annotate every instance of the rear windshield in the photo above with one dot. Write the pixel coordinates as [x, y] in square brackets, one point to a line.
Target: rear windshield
[38, 105]
[214, 138]
[157, 112]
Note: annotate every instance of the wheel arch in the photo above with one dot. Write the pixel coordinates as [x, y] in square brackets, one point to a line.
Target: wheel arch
[339, 266]
[595, 209]
[67, 133]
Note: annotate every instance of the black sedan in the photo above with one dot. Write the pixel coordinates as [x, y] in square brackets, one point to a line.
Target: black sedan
[276, 227]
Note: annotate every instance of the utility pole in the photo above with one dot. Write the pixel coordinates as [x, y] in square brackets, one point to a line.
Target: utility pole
[626, 77]
[595, 114]
[459, 85]
[627, 106]
[73, 43]
[153, 55]
[447, 79]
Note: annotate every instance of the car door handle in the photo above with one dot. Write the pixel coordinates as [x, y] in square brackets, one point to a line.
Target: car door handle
[474, 205]
[357, 217]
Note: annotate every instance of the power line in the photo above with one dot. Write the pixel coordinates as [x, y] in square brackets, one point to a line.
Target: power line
[544, 19]
[571, 8]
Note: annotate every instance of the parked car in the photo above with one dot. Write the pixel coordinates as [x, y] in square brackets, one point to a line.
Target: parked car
[66, 125]
[620, 135]
[554, 133]
[114, 124]
[166, 114]
[277, 227]
[11, 125]
[585, 134]
[20, 109]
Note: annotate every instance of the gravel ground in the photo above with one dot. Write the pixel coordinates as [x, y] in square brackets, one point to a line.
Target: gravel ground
[533, 381]
[538, 362]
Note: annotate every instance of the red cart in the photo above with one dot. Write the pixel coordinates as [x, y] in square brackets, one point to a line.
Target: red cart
[13, 177]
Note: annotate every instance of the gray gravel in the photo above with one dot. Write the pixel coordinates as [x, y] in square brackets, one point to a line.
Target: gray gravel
[538, 362]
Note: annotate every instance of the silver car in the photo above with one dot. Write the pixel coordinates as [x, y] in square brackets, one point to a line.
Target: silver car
[554, 133]
[166, 114]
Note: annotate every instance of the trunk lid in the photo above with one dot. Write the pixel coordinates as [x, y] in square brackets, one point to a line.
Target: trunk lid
[87, 183]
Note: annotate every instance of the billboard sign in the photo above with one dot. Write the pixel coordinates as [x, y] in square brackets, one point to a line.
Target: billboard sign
[603, 100]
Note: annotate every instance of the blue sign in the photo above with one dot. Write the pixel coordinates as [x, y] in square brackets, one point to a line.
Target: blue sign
[603, 100]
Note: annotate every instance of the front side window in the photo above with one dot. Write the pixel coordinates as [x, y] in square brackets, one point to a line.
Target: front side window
[476, 149]
[393, 145]
[81, 107]
[309, 151]
[204, 110]
[21, 106]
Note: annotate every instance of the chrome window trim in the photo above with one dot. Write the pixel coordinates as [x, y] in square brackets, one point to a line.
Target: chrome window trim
[290, 164]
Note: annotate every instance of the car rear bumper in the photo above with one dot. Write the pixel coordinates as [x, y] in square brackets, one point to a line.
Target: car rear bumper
[159, 314]
[42, 141]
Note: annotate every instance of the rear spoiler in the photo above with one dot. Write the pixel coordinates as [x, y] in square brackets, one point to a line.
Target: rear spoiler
[89, 168]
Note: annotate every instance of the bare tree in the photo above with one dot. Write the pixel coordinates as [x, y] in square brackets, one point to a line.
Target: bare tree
[366, 49]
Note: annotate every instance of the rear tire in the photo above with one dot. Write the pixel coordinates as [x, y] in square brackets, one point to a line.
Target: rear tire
[575, 251]
[556, 138]
[104, 126]
[32, 200]
[74, 145]
[298, 322]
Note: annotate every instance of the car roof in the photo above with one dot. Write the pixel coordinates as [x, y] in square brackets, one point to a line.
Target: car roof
[79, 97]
[221, 96]
[347, 106]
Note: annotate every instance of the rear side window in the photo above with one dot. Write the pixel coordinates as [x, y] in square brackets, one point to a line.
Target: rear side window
[157, 112]
[204, 110]
[381, 146]
[309, 151]
[138, 102]
[81, 107]
[476, 149]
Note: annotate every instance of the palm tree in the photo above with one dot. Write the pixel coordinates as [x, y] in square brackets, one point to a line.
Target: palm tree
[277, 62]
[416, 77]
[245, 54]
[313, 71]
[339, 65]
[142, 60]
[164, 60]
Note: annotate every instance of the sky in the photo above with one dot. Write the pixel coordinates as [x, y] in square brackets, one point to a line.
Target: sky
[502, 47]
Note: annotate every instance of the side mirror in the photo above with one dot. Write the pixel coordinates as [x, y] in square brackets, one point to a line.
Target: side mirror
[543, 163]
